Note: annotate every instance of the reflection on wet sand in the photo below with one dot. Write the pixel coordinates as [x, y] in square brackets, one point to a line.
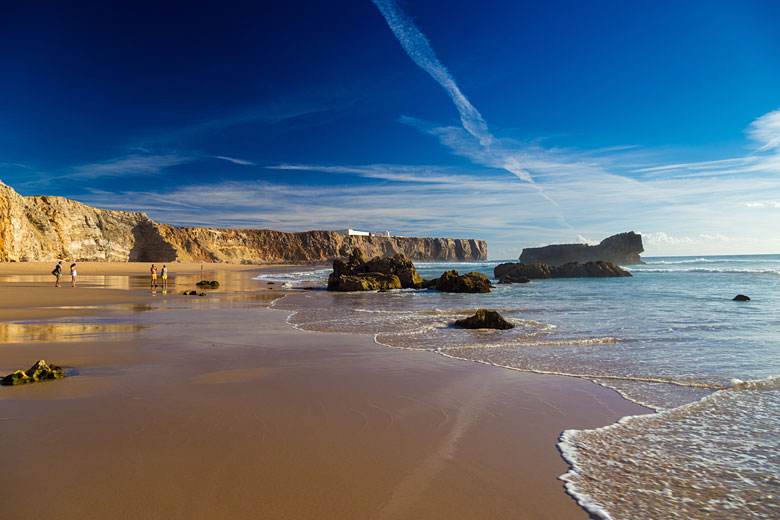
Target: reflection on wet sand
[238, 375]
[18, 332]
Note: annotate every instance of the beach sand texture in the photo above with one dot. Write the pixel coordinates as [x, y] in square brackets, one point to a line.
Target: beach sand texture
[214, 407]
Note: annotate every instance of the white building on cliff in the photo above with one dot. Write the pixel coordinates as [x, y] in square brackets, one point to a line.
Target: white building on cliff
[354, 232]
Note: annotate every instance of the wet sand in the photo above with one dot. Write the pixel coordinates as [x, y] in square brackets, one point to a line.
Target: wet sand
[214, 407]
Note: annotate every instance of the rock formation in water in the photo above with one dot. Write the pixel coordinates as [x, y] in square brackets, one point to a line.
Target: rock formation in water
[43, 228]
[621, 249]
[397, 272]
[377, 274]
[512, 272]
[453, 282]
[485, 319]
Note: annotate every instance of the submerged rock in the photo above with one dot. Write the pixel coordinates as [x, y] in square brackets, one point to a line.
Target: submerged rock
[508, 278]
[359, 274]
[40, 371]
[740, 298]
[598, 269]
[511, 271]
[485, 319]
[451, 281]
[213, 284]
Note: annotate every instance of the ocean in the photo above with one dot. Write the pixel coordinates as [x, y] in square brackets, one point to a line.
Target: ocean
[669, 338]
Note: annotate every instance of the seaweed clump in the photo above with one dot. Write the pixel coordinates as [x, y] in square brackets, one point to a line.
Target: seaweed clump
[40, 371]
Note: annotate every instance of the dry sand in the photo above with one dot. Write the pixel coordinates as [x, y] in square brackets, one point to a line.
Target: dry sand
[186, 407]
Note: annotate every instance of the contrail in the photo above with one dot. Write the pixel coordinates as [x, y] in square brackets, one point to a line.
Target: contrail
[419, 49]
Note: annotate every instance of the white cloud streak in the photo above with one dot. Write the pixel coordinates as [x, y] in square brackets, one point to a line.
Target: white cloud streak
[420, 51]
[143, 164]
[135, 164]
[766, 131]
[234, 160]
[485, 150]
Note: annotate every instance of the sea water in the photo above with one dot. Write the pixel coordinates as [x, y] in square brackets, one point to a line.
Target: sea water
[669, 337]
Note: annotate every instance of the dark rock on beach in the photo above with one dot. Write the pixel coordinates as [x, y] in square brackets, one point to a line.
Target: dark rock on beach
[741, 298]
[40, 371]
[360, 274]
[213, 284]
[453, 282]
[367, 282]
[622, 249]
[512, 272]
[485, 319]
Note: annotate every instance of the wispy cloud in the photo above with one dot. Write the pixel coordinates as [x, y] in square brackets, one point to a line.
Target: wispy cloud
[234, 160]
[15, 165]
[473, 139]
[143, 164]
[388, 172]
[134, 164]
[420, 51]
[484, 150]
[766, 131]
[763, 204]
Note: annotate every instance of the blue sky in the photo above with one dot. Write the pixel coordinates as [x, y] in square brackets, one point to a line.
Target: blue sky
[513, 122]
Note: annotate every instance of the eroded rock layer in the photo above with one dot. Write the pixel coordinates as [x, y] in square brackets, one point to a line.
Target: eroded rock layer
[515, 272]
[621, 249]
[43, 228]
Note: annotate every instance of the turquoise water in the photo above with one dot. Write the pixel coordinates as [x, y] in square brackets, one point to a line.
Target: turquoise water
[670, 338]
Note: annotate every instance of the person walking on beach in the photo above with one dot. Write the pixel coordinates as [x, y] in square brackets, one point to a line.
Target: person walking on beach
[153, 270]
[164, 278]
[73, 275]
[57, 272]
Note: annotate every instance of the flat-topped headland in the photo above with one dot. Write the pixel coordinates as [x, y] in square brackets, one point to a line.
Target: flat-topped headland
[621, 249]
[45, 228]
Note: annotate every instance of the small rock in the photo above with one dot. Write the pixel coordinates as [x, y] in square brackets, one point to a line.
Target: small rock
[40, 371]
[741, 298]
[485, 319]
[208, 283]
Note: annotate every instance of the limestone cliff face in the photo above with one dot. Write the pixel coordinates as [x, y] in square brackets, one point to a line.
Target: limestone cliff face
[621, 249]
[52, 228]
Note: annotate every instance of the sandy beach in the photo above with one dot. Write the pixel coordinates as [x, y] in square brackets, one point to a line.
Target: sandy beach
[215, 407]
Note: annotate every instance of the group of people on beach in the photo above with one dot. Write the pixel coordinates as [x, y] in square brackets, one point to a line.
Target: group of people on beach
[163, 275]
[57, 272]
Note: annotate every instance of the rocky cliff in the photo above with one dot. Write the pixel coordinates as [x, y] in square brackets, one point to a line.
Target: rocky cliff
[621, 249]
[43, 228]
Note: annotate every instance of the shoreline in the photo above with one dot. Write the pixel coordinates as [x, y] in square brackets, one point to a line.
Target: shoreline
[217, 407]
